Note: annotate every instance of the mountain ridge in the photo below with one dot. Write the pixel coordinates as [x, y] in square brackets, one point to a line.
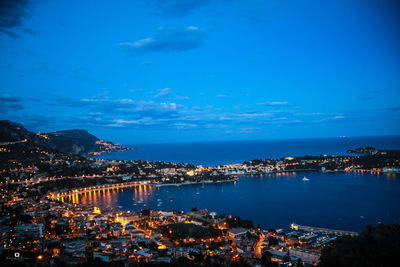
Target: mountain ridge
[73, 141]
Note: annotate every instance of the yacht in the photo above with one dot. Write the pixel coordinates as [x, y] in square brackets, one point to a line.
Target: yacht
[305, 179]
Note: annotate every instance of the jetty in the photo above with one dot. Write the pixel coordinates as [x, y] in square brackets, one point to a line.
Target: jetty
[295, 226]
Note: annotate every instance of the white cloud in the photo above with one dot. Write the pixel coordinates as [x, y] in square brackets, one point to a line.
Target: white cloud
[275, 103]
[168, 39]
[163, 93]
[180, 97]
[180, 125]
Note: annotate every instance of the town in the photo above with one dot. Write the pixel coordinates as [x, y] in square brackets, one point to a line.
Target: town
[47, 230]
[43, 223]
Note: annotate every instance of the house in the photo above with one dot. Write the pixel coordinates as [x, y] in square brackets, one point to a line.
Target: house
[237, 232]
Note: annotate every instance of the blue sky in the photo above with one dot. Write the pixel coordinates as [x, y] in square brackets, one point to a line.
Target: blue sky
[181, 71]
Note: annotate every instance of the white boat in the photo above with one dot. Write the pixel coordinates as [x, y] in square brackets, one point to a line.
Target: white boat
[305, 179]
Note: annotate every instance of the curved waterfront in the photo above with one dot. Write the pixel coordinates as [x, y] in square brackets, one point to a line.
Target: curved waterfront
[345, 200]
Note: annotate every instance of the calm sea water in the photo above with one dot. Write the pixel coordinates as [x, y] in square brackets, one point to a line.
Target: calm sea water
[215, 153]
[347, 201]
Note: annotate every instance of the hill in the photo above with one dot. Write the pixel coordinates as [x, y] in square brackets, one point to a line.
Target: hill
[75, 141]
[72, 141]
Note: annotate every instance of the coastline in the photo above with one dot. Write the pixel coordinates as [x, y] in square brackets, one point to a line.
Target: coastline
[204, 182]
[237, 205]
[76, 191]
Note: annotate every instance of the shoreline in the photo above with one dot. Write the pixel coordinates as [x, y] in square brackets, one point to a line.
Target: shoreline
[196, 183]
[77, 191]
[81, 190]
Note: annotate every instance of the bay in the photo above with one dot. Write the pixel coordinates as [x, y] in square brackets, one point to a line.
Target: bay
[345, 200]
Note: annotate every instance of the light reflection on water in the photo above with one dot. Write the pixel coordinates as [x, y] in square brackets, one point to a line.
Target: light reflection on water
[108, 198]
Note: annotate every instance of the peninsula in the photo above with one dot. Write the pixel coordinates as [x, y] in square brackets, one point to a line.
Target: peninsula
[40, 225]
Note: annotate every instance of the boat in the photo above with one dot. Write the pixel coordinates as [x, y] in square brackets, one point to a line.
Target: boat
[305, 179]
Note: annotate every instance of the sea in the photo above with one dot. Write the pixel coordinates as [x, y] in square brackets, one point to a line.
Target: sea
[342, 200]
[218, 153]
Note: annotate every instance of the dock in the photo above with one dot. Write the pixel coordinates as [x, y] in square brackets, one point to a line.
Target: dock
[295, 226]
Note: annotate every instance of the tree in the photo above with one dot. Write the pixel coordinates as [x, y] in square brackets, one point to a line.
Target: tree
[299, 263]
[266, 259]
[272, 241]
[375, 246]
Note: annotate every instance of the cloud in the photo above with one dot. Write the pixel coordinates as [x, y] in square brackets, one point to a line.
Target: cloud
[221, 95]
[119, 123]
[66, 102]
[12, 13]
[275, 103]
[6, 98]
[181, 97]
[183, 126]
[171, 39]
[103, 112]
[164, 93]
[177, 8]
[248, 130]
[10, 103]
[118, 107]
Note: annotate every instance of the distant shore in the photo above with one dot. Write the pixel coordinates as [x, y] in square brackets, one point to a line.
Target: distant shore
[202, 182]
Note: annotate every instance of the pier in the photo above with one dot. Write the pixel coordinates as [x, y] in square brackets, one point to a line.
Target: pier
[59, 195]
[295, 226]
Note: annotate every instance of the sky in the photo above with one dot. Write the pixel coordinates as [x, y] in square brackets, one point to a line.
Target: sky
[165, 71]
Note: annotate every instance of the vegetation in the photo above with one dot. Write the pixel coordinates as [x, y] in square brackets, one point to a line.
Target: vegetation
[375, 246]
[237, 222]
[188, 230]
